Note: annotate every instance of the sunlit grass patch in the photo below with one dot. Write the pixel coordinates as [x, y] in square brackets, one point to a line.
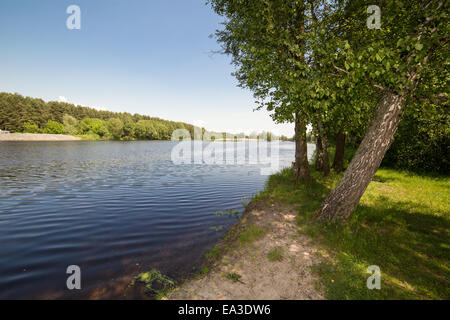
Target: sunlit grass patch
[250, 234]
[402, 225]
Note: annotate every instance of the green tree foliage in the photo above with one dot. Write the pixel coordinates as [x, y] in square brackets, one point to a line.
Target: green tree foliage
[25, 114]
[93, 126]
[115, 128]
[30, 127]
[70, 125]
[267, 41]
[128, 129]
[164, 131]
[54, 127]
[422, 141]
[144, 130]
[318, 60]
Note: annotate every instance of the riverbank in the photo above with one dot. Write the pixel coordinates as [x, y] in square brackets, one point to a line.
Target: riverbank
[36, 137]
[87, 137]
[262, 257]
[274, 252]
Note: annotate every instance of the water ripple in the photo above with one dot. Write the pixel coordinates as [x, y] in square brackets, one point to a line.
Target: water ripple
[108, 207]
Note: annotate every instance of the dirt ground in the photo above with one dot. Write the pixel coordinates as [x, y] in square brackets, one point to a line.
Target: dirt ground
[260, 279]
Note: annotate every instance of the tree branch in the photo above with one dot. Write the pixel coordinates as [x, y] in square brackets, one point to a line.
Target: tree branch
[339, 69]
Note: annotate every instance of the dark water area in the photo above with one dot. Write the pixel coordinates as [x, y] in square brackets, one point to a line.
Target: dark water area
[115, 209]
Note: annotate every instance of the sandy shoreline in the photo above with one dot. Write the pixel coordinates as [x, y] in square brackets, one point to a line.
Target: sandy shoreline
[36, 137]
[290, 278]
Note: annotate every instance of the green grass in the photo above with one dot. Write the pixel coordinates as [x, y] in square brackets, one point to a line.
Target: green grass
[234, 277]
[402, 225]
[250, 234]
[156, 284]
[276, 254]
[214, 253]
[204, 271]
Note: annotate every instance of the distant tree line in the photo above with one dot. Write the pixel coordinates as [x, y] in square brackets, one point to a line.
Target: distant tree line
[31, 115]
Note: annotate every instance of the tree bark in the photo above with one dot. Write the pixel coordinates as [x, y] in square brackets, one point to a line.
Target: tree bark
[301, 165]
[324, 155]
[342, 201]
[318, 164]
[338, 162]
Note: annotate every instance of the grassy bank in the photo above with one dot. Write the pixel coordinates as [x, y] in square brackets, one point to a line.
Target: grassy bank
[402, 225]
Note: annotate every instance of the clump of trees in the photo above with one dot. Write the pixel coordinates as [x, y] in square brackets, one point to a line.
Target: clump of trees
[316, 62]
[422, 141]
[30, 115]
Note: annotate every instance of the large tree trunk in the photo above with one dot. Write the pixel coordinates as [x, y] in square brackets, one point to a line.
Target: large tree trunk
[324, 155]
[318, 164]
[338, 162]
[301, 165]
[342, 201]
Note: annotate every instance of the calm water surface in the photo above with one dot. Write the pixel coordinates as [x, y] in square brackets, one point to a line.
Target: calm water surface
[113, 208]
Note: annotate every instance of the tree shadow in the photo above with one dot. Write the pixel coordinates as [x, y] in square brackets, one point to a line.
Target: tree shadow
[410, 246]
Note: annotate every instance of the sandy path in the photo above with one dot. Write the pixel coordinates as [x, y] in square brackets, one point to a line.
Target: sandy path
[262, 279]
[36, 137]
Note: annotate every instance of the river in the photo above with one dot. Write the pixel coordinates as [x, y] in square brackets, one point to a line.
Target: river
[115, 209]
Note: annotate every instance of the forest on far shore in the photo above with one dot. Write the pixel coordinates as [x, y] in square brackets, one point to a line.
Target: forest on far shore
[421, 142]
[32, 115]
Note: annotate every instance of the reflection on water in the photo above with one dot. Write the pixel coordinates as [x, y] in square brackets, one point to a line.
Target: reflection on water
[113, 208]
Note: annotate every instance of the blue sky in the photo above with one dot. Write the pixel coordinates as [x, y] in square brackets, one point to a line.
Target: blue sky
[151, 57]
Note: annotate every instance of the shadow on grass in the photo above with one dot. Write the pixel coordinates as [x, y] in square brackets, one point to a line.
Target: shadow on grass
[411, 249]
[409, 240]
